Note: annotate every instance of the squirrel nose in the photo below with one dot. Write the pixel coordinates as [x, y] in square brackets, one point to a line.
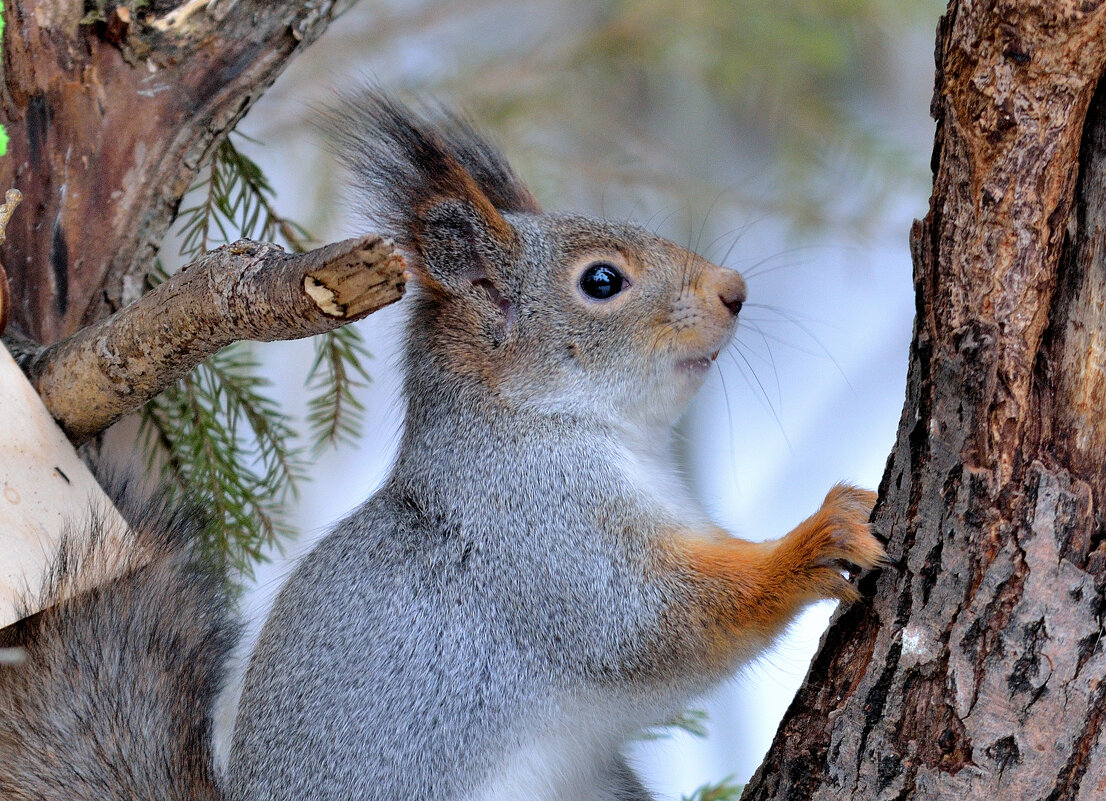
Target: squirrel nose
[731, 290]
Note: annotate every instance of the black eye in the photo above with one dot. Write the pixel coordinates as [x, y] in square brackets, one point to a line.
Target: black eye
[601, 281]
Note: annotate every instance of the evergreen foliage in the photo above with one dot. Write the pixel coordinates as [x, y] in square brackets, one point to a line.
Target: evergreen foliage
[218, 434]
[724, 790]
[692, 721]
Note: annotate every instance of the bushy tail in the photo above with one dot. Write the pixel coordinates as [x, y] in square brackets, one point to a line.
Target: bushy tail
[109, 693]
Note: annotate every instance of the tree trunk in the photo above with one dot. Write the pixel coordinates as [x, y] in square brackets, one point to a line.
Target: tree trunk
[977, 669]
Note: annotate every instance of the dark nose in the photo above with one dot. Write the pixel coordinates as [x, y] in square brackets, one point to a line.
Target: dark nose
[731, 290]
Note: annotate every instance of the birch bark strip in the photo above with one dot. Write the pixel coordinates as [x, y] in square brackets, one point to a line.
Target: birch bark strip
[44, 486]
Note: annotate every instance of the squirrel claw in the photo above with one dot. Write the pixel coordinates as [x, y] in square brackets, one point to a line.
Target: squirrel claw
[837, 539]
[847, 510]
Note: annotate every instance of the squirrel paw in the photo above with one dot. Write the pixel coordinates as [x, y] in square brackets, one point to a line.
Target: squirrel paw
[837, 538]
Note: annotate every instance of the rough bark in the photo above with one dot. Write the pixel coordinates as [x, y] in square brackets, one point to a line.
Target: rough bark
[109, 123]
[977, 670]
[242, 291]
[11, 201]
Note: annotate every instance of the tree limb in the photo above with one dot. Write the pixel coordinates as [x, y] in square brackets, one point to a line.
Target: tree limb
[109, 123]
[246, 290]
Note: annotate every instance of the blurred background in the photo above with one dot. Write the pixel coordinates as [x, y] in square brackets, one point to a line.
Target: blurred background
[788, 140]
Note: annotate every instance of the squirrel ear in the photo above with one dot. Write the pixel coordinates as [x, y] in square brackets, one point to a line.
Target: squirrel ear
[461, 241]
[461, 244]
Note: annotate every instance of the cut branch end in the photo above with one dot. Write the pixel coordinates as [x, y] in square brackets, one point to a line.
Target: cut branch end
[350, 286]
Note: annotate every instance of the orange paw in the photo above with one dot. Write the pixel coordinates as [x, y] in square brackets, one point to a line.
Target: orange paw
[836, 539]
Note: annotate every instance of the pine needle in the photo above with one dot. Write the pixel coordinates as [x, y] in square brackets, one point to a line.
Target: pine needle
[221, 439]
[334, 412]
[218, 434]
[724, 790]
[692, 721]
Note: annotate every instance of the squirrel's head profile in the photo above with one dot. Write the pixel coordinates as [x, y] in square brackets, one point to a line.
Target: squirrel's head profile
[558, 313]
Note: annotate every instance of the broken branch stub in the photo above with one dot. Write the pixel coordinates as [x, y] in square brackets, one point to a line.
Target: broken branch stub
[246, 290]
[342, 288]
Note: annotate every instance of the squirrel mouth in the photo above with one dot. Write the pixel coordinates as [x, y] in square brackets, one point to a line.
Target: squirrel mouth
[700, 365]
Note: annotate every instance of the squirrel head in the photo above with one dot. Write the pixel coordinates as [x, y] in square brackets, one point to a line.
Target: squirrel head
[519, 309]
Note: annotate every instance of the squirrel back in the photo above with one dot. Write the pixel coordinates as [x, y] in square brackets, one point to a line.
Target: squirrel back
[108, 694]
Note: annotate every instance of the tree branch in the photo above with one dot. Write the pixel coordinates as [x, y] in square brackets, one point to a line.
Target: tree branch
[246, 290]
[109, 123]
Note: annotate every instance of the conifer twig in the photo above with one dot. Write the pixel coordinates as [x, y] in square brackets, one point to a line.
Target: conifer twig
[245, 290]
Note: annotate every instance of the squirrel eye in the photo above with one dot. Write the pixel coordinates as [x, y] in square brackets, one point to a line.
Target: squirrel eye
[601, 281]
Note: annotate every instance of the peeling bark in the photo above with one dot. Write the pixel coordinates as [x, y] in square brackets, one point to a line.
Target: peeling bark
[242, 291]
[977, 670]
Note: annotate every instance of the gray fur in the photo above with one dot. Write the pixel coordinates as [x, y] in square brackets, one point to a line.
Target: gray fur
[499, 617]
[417, 644]
[113, 697]
[500, 584]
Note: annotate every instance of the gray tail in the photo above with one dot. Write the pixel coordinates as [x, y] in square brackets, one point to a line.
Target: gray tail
[109, 693]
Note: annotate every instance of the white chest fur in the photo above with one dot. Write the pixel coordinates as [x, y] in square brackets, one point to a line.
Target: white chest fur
[569, 758]
[649, 467]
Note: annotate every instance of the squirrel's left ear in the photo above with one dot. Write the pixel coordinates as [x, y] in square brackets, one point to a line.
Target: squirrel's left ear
[461, 242]
[432, 182]
[460, 237]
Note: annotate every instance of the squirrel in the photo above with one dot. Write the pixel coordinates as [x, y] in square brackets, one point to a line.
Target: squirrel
[531, 585]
